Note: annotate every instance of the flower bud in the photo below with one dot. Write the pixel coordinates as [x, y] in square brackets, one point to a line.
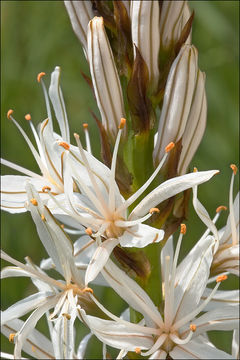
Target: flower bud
[80, 13]
[178, 98]
[146, 35]
[105, 78]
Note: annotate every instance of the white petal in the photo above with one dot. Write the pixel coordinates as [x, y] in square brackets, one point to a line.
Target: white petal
[13, 192]
[24, 306]
[196, 349]
[117, 335]
[36, 344]
[105, 78]
[167, 251]
[235, 344]
[140, 236]
[99, 259]
[170, 188]
[191, 278]
[83, 346]
[227, 235]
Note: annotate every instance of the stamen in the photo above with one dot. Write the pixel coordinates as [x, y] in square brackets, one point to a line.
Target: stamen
[234, 168]
[43, 217]
[88, 290]
[154, 210]
[87, 138]
[156, 346]
[137, 350]
[11, 337]
[167, 307]
[221, 278]
[9, 113]
[34, 202]
[195, 169]
[111, 199]
[179, 341]
[67, 316]
[193, 327]
[220, 208]
[123, 223]
[28, 117]
[183, 229]
[169, 147]
[46, 189]
[88, 231]
[99, 202]
[40, 75]
[65, 145]
[62, 226]
[122, 123]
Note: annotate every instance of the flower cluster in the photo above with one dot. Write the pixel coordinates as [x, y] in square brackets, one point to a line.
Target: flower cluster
[102, 223]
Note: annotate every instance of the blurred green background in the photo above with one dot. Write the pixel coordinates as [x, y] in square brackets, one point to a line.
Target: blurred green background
[37, 36]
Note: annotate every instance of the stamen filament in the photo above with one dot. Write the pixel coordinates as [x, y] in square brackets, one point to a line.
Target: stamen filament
[231, 211]
[156, 346]
[87, 138]
[122, 223]
[21, 169]
[40, 149]
[49, 114]
[179, 341]
[167, 307]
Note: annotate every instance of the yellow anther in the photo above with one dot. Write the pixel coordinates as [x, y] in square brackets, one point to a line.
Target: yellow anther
[11, 337]
[9, 113]
[45, 188]
[65, 145]
[34, 202]
[34, 348]
[76, 136]
[220, 208]
[67, 316]
[195, 169]
[193, 327]
[28, 117]
[85, 126]
[234, 168]
[43, 217]
[138, 350]
[122, 123]
[169, 147]
[88, 289]
[155, 239]
[154, 210]
[62, 226]
[221, 278]
[40, 75]
[88, 231]
[183, 229]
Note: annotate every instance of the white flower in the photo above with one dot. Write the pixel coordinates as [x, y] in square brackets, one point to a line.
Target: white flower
[63, 296]
[226, 253]
[180, 331]
[47, 155]
[184, 108]
[106, 82]
[101, 208]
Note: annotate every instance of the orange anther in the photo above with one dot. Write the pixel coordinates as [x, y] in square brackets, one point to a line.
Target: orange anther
[11, 337]
[183, 229]
[138, 350]
[122, 123]
[88, 231]
[40, 75]
[193, 327]
[45, 188]
[220, 208]
[28, 117]
[169, 147]
[234, 168]
[154, 210]
[221, 278]
[65, 145]
[88, 289]
[195, 169]
[85, 126]
[9, 113]
[62, 226]
[34, 202]
[67, 316]
[33, 348]
[43, 217]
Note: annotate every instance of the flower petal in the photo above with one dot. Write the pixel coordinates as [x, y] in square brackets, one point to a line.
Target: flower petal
[140, 236]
